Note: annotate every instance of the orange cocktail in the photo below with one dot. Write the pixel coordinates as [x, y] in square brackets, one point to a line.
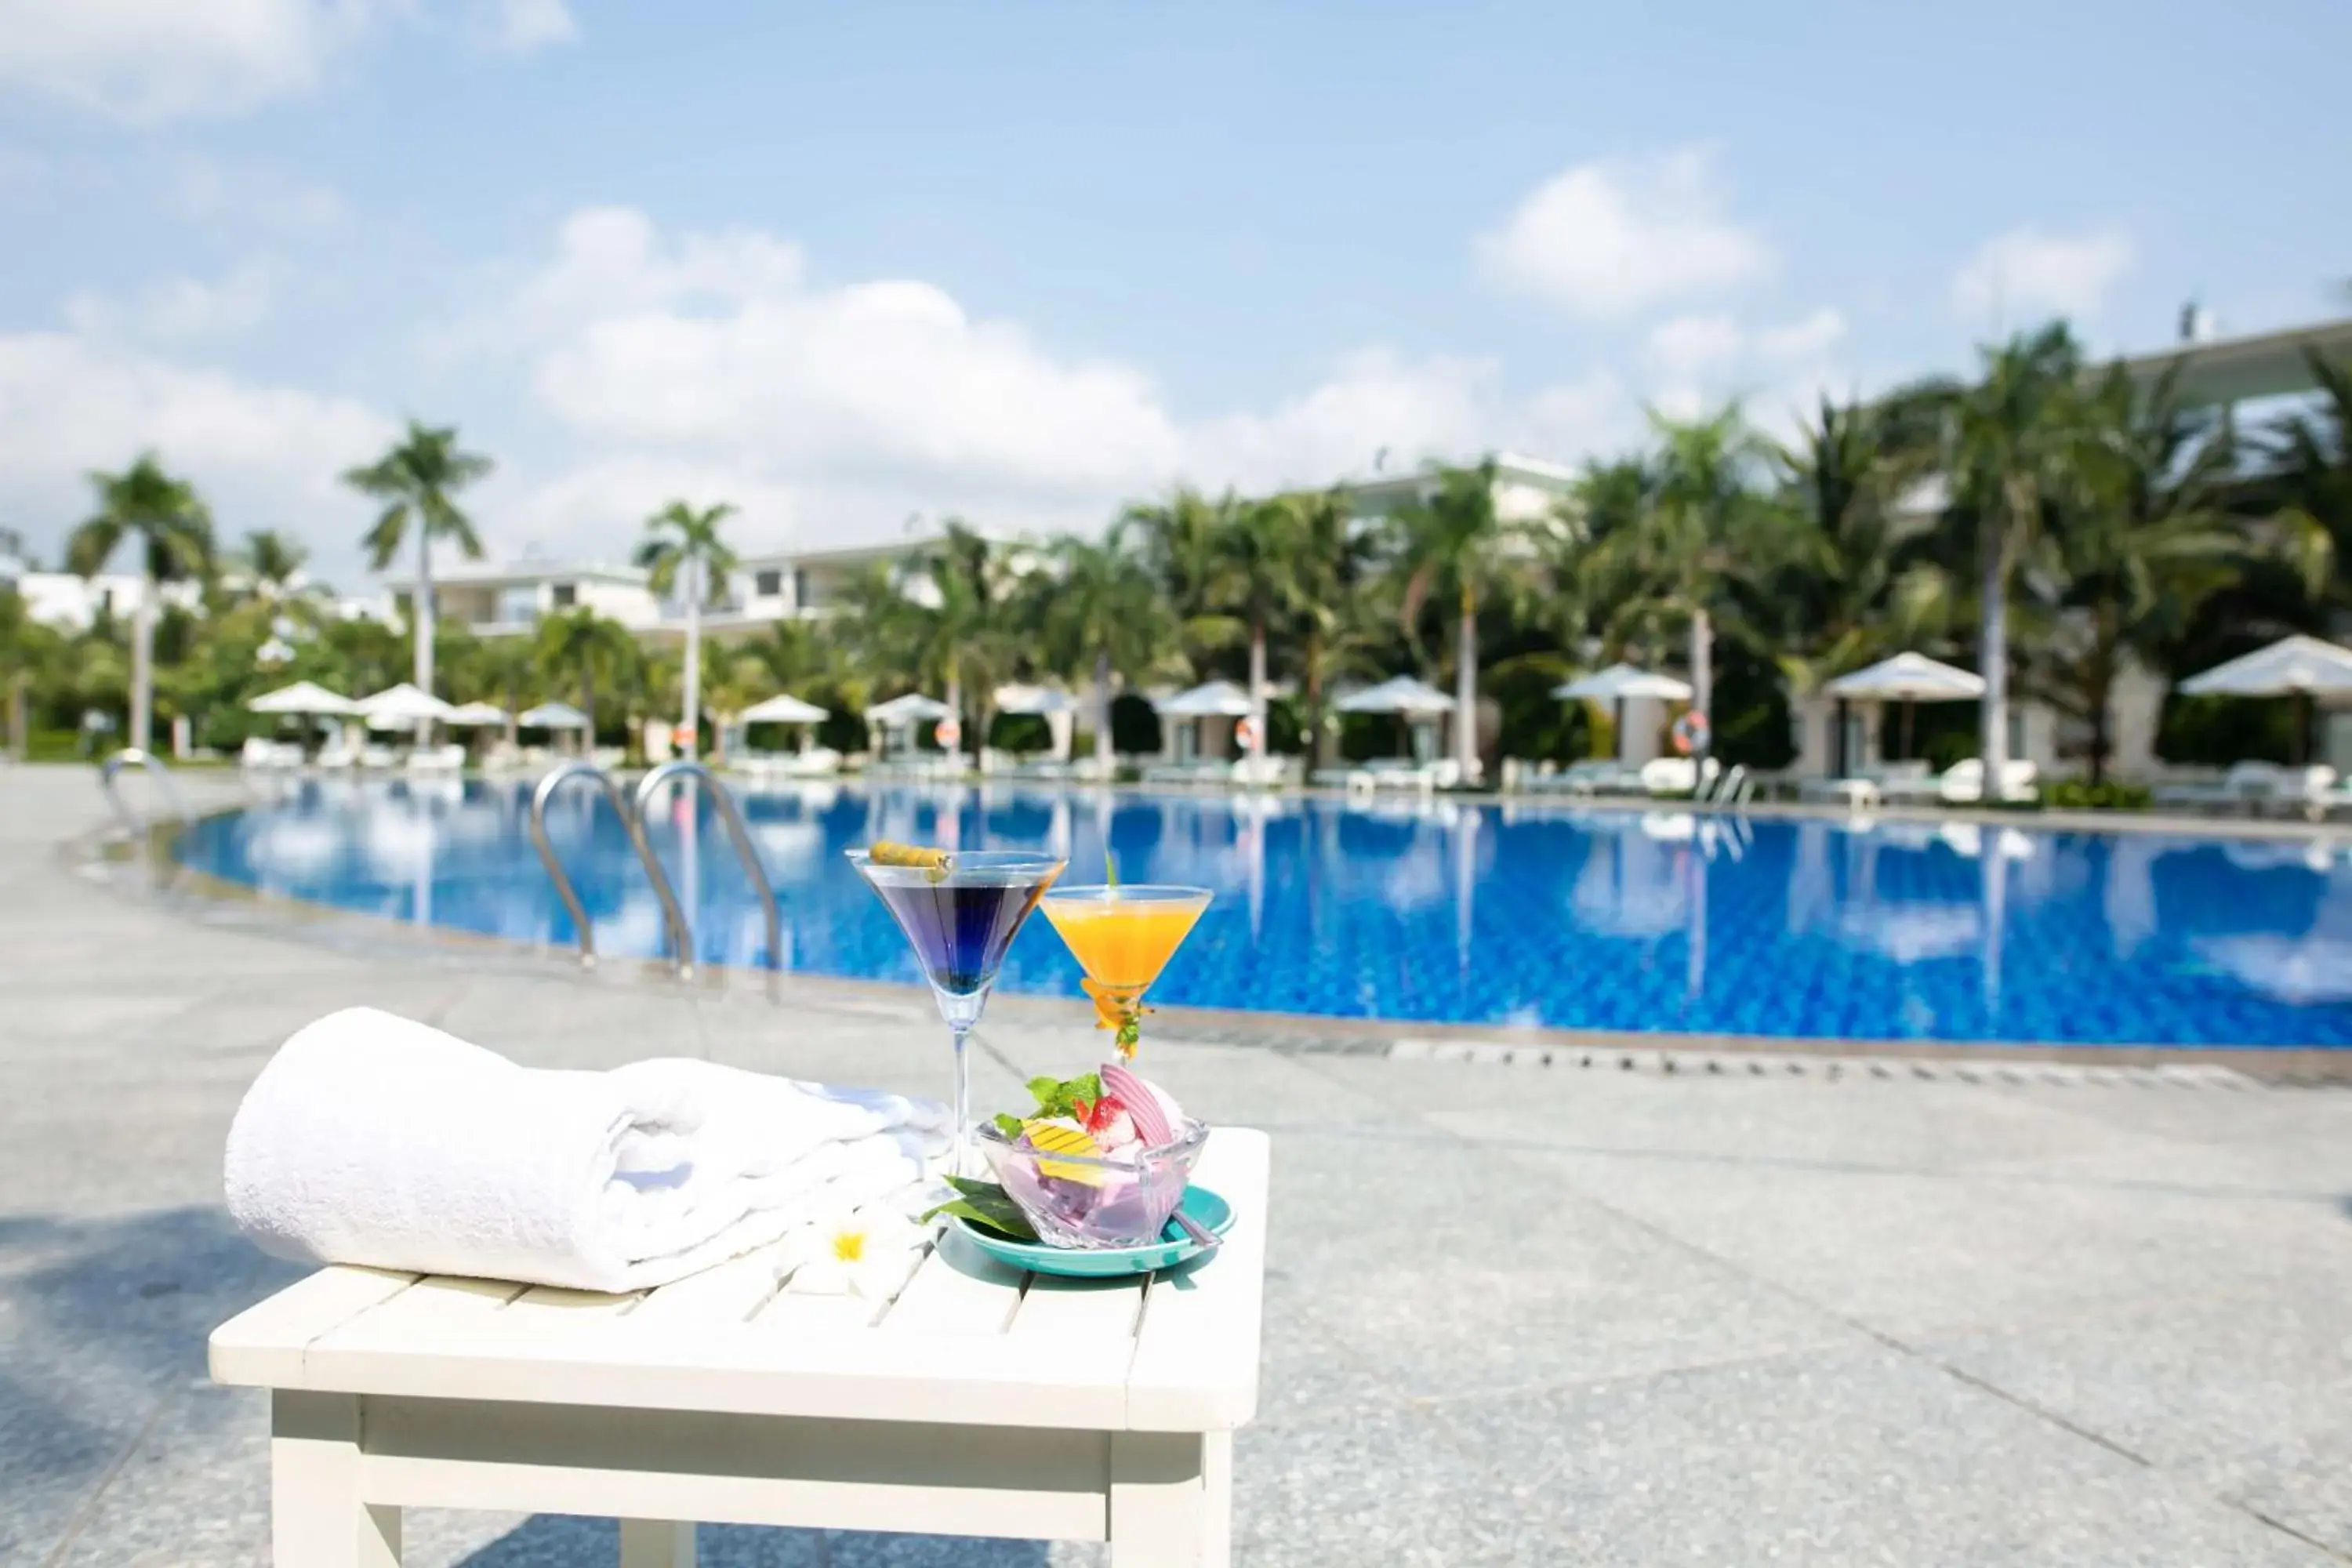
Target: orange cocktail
[1123, 937]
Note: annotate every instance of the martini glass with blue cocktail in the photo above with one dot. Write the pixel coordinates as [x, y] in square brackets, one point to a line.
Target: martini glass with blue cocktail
[960, 912]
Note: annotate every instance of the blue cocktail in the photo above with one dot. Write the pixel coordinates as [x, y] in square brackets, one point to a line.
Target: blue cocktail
[959, 912]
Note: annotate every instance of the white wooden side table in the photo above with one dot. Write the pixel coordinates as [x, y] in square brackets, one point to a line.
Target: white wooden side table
[984, 1401]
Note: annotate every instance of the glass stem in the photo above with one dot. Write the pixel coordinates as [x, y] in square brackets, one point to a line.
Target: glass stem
[960, 1158]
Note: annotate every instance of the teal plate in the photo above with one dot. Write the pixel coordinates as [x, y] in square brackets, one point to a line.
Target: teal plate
[1211, 1213]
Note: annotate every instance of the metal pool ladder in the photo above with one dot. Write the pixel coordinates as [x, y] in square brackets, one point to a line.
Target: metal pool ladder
[738, 835]
[114, 765]
[681, 937]
[632, 812]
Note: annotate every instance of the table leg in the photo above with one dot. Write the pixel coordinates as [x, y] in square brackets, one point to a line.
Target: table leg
[1171, 1500]
[657, 1543]
[316, 1518]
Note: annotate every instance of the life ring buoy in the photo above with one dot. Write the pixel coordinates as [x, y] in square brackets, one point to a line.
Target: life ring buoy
[1245, 732]
[947, 733]
[1690, 732]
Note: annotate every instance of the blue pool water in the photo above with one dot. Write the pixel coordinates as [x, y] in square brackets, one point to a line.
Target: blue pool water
[1444, 912]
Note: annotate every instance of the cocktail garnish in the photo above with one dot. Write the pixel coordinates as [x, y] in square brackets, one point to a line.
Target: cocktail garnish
[885, 853]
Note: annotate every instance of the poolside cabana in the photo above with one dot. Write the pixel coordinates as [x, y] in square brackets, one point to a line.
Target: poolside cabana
[1416, 701]
[1051, 703]
[555, 716]
[1620, 685]
[1212, 700]
[897, 718]
[1910, 678]
[2303, 668]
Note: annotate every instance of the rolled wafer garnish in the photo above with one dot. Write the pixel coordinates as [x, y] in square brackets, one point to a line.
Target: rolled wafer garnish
[884, 853]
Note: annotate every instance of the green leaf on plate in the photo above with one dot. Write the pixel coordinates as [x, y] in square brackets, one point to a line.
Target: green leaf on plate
[987, 1205]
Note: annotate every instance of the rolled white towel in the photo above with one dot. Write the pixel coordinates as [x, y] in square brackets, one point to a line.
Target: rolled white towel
[376, 1139]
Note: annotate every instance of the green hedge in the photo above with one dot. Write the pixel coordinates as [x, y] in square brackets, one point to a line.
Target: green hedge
[2075, 794]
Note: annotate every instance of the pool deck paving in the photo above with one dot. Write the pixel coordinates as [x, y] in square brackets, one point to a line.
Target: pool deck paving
[1512, 1316]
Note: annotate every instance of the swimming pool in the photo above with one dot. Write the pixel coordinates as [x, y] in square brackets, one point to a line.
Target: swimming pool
[1441, 912]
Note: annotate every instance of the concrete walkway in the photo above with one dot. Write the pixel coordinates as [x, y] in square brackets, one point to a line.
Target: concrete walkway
[1515, 1315]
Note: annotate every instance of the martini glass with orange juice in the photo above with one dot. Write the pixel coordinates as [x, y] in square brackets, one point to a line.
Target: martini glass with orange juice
[1123, 936]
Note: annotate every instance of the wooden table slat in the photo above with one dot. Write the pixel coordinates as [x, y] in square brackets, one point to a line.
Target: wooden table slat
[960, 1290]
[1196, 1352]
[727, 1294]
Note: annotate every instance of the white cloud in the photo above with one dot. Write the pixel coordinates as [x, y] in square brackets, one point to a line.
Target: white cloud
[265, 456]
[149, 61]
[524, 25]
[179, 308]
[1696, 346]
[1807, 338]
[1610, 238]
[2028, 271]
[834, 411]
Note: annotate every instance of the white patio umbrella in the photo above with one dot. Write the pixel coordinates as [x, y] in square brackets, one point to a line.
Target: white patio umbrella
[1908, 679]
[1618, 685]
[912, 709]
[1405, 694]
[1043, 702]
[403, 706]
[304, 698]
[475, 715]
[553, 716]
[1621, 682]
[782, 709]
[2299, 667]
[1216, 700]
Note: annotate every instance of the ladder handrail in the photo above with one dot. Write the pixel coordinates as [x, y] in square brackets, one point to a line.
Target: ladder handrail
[681, 937]
[154, 765]
[737, 834]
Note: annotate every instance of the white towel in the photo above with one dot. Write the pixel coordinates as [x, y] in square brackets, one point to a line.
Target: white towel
[376, 1139]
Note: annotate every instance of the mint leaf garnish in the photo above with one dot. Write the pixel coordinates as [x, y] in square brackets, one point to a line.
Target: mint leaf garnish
[1057, 1096]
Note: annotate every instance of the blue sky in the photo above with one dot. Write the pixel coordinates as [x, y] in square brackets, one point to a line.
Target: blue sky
[845, 265]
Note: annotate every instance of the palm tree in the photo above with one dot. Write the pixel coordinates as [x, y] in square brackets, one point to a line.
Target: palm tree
[506, 668]
[271, 561]
[1452, 543]
[2133, 553]
[1254, 563]
[1710, 528]
[1859, 583]
[944, 617]
[419, 481]
[27, 650]
[582, 645]
[2015, 438]
[1101, 610]
[684, 542]
[1324, 604]
[1182, 541]
[173, 536]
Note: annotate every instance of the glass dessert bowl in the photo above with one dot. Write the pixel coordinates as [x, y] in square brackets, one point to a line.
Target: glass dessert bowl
[1088, 1200]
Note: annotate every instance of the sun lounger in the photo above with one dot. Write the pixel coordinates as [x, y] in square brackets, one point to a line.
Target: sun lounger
[2244, 787]
[437, 761]
[981, 1401]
